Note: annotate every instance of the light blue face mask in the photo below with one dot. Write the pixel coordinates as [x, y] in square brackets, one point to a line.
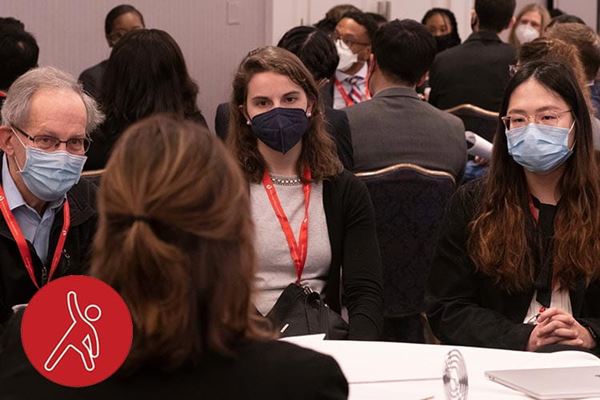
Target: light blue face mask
[539, 148]
[50, 175]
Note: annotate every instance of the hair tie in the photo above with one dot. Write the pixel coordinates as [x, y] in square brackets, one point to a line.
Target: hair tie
[143, 218]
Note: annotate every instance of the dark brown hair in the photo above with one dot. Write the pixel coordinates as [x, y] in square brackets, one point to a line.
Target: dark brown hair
[146, 74]
[175, 240]
[500, 243]
[556, 50]
[318, 149]
[585, 40]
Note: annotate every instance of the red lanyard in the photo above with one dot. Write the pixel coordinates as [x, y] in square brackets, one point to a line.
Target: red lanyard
[349, 102]
[15, 230]
[297, 250]
[533, 209]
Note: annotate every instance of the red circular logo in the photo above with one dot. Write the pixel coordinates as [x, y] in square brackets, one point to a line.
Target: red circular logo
[76, 331]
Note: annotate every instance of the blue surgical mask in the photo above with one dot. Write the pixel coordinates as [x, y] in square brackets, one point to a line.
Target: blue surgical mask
[280, 128]
[50, 175]
[539, 148]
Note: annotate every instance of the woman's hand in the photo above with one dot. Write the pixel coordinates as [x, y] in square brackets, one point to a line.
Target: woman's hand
[555, 326]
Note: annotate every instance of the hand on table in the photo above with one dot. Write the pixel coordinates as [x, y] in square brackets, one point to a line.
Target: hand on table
[555, 326]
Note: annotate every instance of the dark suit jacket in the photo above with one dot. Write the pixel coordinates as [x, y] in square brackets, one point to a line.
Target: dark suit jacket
[467, 307]
[396, 126]
[474, 72]
[260, 370]
[91, 79]
[326, 93]
[336, 125]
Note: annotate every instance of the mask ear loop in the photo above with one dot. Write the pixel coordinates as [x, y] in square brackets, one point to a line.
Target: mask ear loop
[574, 138]
[22, 144]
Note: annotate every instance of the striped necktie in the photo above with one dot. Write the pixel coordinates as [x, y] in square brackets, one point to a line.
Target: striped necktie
[355, 94]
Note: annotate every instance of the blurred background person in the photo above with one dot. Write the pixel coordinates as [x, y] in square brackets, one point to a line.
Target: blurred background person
[18, 54]
[146, 74]
[120, 20]
[353, 36]
[441, 23]
[379, 19]
[565, 19]
[586, 40]
[333, 16]
[277, 135]
[476, 71]
[10, 22]
[174, 211]
[395, 126]
[530, 24]
[554, 50]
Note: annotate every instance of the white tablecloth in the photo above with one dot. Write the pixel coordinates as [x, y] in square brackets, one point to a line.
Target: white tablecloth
[374, 369]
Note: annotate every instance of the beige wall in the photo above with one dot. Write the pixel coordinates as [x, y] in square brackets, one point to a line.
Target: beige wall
[70, 34]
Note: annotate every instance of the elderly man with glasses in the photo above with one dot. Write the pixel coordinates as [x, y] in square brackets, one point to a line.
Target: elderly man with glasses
[48, 215]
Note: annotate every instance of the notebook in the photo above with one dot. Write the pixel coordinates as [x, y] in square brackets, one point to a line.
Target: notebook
[551, 383]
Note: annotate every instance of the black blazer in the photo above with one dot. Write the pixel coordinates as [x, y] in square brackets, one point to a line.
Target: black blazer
[336, 124]
[467, 308]
[260, 370]
[326, 93]
[474, 72]
[91, 79]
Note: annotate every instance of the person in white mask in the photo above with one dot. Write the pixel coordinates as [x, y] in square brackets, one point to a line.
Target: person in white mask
[47, 218]
[529, 25]
[352, 37]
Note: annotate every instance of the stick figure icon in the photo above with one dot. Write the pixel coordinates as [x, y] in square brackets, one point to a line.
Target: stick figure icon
[81, 336]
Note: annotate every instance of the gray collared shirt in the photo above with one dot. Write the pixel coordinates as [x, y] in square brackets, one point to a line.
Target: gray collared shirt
[35, 228]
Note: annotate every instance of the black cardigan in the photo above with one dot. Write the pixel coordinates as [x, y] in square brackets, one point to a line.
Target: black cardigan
[466, 307]
[355, 251]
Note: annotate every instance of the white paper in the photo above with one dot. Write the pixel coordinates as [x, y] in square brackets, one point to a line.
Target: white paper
[480, 146]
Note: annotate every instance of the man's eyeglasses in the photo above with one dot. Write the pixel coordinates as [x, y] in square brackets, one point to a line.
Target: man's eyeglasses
[550, 118]
[348, 41]
[45, 142]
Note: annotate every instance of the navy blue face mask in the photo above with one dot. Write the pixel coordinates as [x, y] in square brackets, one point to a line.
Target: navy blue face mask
[280, 128]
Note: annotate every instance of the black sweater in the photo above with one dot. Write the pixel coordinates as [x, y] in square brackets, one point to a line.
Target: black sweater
[466, 307]
[355, 253]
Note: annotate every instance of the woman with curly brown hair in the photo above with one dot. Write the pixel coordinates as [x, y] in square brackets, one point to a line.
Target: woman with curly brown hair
[312, 219]
[517, 262]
